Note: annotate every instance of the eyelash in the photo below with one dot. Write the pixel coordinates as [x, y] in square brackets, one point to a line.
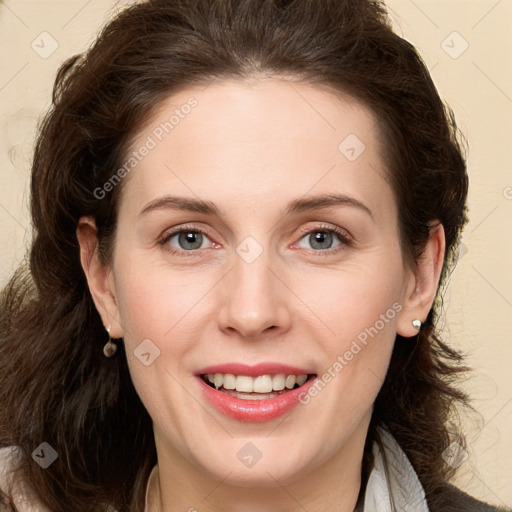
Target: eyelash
[341, 234]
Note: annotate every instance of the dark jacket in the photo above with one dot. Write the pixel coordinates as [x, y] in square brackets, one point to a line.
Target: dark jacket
[448, 498]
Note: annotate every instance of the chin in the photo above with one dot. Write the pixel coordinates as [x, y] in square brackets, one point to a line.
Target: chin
[256, 462]
[262, 475]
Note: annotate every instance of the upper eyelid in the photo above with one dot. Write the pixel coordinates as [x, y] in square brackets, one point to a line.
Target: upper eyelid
[325, 227]
[175, 231]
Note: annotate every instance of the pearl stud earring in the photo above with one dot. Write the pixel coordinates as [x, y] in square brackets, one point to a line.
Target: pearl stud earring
[416, 324]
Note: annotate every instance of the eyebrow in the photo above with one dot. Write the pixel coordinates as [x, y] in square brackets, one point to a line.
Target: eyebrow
[325, 201]
[298, 205]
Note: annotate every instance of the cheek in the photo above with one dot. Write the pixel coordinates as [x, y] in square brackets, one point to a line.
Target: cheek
[353, 303]
[360, 310]
[153, 301]
[163, 312]
[157, 311]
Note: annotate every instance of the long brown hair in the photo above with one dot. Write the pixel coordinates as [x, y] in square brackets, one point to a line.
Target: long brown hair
[56, 386]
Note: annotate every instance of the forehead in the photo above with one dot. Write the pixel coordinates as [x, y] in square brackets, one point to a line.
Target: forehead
[261, 111]
[257, 139]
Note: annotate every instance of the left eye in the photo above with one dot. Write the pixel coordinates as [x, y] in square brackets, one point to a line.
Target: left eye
[321, 240]
[187, 240]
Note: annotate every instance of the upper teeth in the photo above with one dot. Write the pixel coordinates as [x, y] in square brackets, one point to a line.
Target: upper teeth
[260, 384]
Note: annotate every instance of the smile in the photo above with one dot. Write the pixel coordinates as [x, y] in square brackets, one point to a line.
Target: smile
[261, 387]
[254, 393]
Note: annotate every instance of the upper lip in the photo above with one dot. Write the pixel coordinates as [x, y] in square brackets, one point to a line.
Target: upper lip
[254, 370]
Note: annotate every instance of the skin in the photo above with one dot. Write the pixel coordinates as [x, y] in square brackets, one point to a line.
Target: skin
[252, 147]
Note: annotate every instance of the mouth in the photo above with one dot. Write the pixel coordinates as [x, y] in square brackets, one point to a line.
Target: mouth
[261, 387]
[254, 393]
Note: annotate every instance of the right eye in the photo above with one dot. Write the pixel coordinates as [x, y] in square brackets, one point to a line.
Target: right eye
[185, 240]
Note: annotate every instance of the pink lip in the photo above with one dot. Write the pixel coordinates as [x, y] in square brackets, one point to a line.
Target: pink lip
[253, 410]
[254, 370]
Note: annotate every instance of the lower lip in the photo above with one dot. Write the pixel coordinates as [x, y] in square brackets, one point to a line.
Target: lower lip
[254, 410]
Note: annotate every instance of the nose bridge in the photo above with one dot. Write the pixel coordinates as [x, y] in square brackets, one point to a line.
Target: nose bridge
[253, 299]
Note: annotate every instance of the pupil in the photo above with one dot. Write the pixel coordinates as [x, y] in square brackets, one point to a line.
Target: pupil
[187, 240]
[321, 240]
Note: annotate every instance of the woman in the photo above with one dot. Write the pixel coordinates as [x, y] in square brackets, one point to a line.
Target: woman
[243, 213]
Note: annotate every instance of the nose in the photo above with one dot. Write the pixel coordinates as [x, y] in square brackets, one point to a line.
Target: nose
[254, 299]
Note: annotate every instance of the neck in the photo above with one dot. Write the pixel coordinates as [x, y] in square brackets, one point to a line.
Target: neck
[331, 486]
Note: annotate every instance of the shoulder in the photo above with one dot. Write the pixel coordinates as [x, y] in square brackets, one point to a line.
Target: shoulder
[7, 455]
[448, 498]
[11, 488]
[400, 478]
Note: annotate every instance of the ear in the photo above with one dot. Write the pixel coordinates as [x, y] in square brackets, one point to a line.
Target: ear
[421, 287]
[99, 276]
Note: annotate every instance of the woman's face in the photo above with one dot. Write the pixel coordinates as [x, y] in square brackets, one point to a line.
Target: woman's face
[288, 264]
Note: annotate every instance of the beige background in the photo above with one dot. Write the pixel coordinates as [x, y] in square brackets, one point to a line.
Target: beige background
[472, 71]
